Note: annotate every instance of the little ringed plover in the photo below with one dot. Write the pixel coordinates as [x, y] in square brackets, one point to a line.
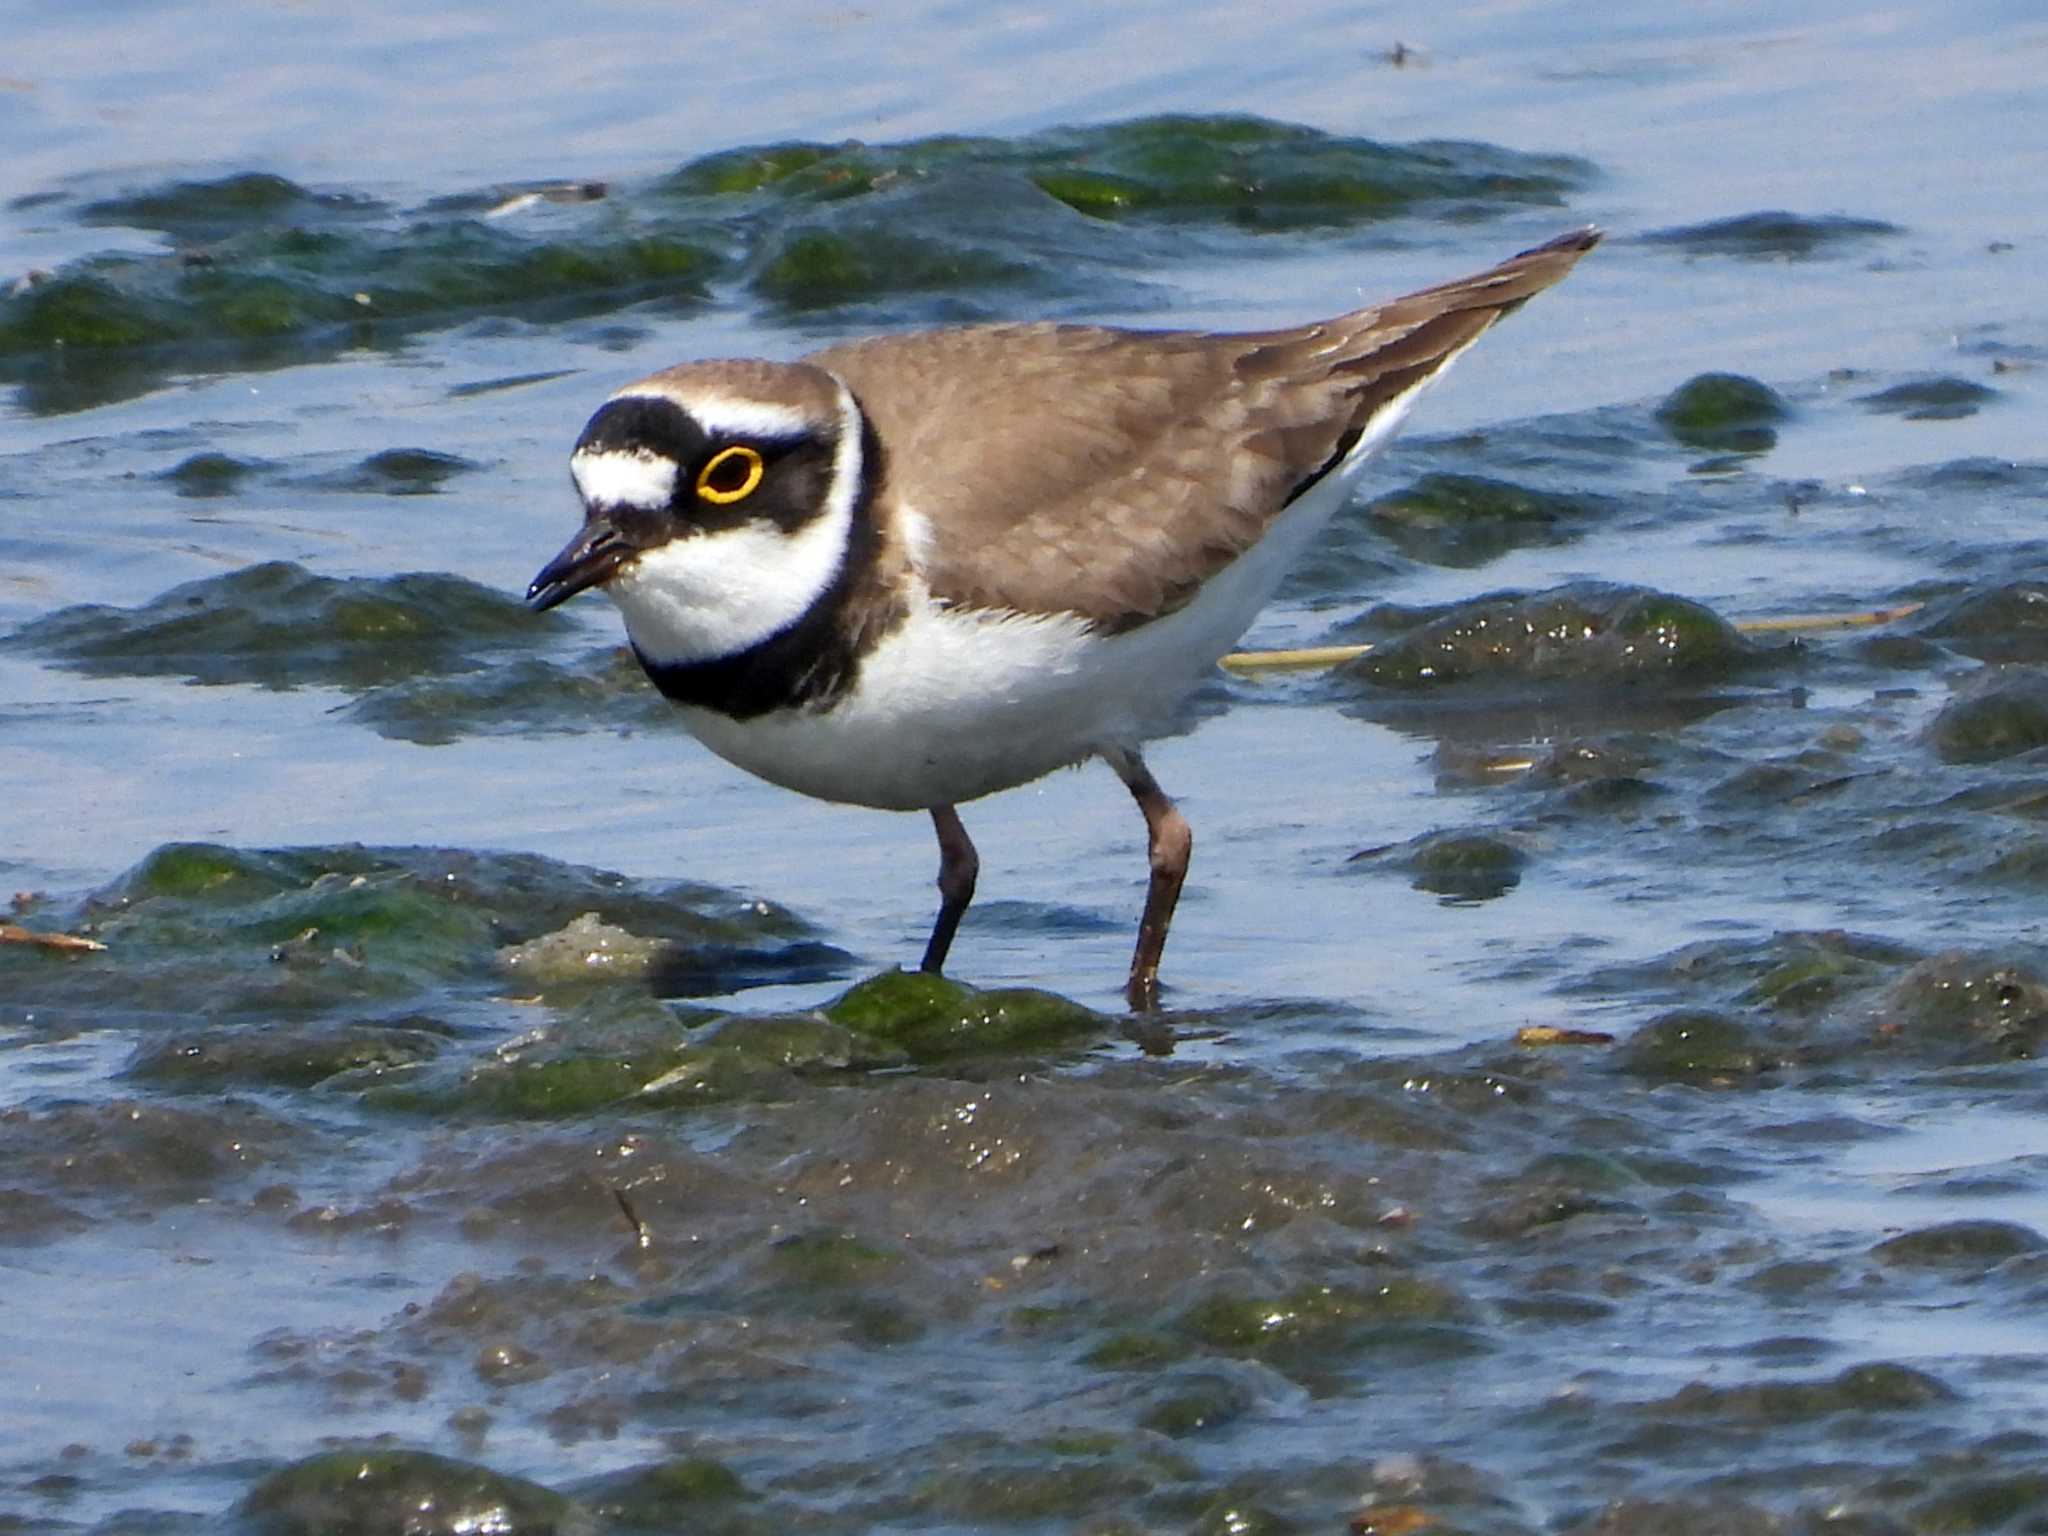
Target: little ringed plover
[909, 571]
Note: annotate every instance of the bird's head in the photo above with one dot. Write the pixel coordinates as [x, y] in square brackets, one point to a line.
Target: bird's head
[717, 504]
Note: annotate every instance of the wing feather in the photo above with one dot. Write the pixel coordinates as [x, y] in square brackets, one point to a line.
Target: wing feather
[1108, 473]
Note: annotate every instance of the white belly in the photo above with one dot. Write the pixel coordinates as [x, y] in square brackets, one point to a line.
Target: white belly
[956, 704]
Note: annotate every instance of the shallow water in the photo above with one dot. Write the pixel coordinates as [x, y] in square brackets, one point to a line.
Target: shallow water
[315, 1157]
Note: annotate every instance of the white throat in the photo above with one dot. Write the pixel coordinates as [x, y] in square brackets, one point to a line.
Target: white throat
[708, 595]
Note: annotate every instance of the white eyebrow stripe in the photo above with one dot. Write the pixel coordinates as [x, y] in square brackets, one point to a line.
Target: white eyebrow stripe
[731, 415]
[619, 477]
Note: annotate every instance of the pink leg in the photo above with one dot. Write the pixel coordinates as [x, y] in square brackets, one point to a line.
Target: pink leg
[1170, 842]
[959, 864]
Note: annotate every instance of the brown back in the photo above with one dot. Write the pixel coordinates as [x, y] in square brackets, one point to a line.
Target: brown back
[1108, 472]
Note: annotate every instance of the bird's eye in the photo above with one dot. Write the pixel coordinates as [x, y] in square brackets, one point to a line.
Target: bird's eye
[731, 475]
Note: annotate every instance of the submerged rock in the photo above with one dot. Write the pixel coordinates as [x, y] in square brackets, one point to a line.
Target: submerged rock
[587, 949]
[1723, 413]
[1722, 1516]
[668, 1495]
[620, 1048]
[143, 1157]
[1460, 866]
[2006, 623]
[1966, 1006]
[378, 1490]
[209, 475]
[1587, 632]
[1696, 1045]
[406, 472]
[2006, 716]
[1466, 520]
[1974, 1245]
[605, 690]
[270, 272]
[1879, 1387]
[1193, 1402]
[281, 626]
[1245, 170]
[1809, 971]
[1772, 234]
[1311, 1327]
[812, 268]
[313, 939]
[209, 209]
[288, 1058]
[1939, 399]
[931, 1018]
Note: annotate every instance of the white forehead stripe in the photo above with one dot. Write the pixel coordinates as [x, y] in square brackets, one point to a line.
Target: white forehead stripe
[622, 477]
[730, 415]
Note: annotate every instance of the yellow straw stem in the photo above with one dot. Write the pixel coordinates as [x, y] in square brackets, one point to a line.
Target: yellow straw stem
[14, 933]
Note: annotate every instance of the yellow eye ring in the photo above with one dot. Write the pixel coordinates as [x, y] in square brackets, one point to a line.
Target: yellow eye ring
[716, 482]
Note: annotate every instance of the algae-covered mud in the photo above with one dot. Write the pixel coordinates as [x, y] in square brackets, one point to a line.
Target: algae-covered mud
[255, 270]
[1598, 1088]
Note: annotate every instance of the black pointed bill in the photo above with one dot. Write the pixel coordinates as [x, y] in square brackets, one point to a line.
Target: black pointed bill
[590, 559]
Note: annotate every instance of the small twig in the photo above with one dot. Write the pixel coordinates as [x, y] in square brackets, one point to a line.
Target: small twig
[1309, 657]
[642, 1236]
[14, 933]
